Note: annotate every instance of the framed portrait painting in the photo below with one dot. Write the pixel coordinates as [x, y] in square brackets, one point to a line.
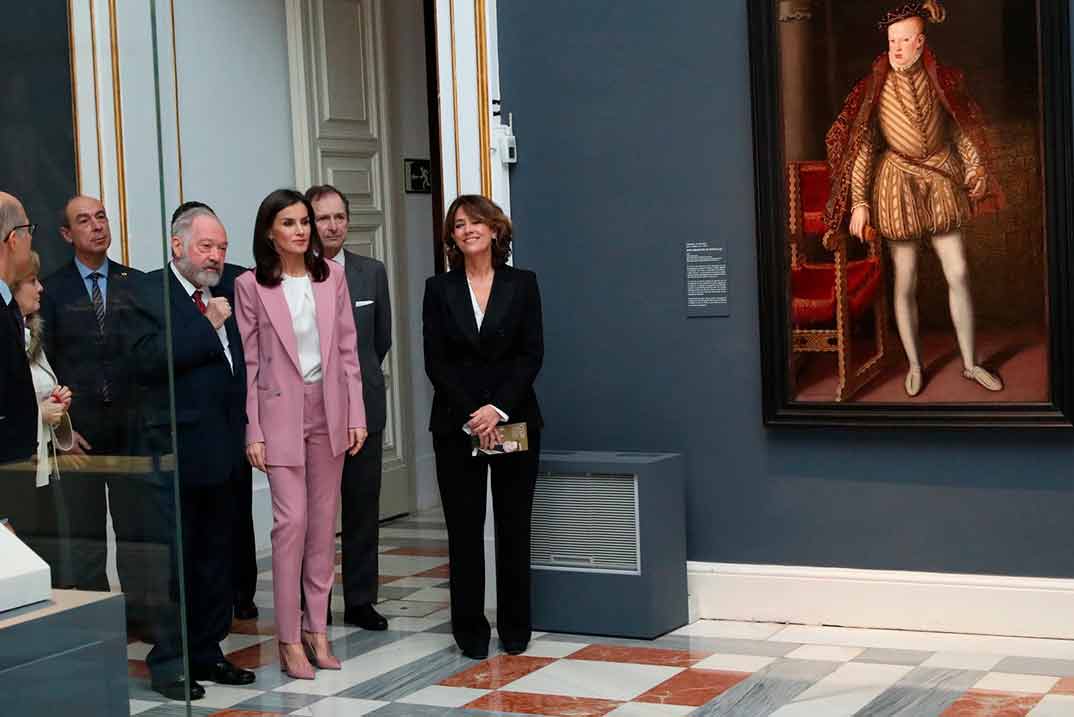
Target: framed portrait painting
[913, 180]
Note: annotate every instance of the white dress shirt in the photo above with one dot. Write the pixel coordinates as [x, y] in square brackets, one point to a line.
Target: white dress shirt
[340, 258]
[206, 296]
[298, 291]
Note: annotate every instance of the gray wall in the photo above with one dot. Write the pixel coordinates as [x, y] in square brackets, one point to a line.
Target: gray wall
[634, 136]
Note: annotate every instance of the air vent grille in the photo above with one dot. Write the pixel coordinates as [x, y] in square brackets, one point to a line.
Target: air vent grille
[586, 522]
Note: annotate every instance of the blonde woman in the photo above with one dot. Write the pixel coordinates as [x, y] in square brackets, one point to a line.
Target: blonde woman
[53, 400]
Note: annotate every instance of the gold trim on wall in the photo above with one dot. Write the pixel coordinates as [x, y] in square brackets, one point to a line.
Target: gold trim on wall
[455, 97]
[96, 101]
[74, 93]
[484, 133]
[175, 82]
[117, 106]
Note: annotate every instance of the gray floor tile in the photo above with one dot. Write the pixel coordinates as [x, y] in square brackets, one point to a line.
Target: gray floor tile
[1036, 666]
[278, 701]
[363, 641]
[404, 710]
[924, 691]
[387, 592]
[767, 690]
[893, 657]
[410, 678]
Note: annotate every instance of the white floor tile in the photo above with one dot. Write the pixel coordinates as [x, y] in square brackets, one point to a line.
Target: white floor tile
[384, 547]
[235, 642]
[1007, 682]
[962, 661]
[140, 706]
[371, 664]
[551, 648]
[407, 608]
[734, 663]
[265, 575]
[418, 533]
[404, 565]
[440, 696]
[419, 624]
[845, 691]
[431, 595]
[642, 709]
[263, 598]
[828, 653]
[1053, 706]
[928, 641]
[138, 650]
[600, 680]
[416, 582]
[224, 696]
[731, 629]
[340, 707]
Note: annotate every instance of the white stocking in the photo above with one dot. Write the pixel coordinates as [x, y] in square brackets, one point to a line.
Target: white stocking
[953, 260]
[904, 257]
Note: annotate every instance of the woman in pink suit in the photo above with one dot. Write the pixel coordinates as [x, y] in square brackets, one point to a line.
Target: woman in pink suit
[304, 411]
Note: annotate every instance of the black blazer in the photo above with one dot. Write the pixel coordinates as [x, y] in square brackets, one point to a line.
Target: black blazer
[367, 282]
[18, 400]
[84, 359]
[210, 396]
[469, 369]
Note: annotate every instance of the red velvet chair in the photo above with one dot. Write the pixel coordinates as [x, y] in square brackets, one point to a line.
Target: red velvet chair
[829, 298]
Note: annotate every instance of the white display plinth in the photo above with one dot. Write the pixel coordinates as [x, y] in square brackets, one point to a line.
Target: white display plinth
[24, 577]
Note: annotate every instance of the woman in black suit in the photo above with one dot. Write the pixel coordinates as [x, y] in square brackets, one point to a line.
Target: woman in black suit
[483, 348]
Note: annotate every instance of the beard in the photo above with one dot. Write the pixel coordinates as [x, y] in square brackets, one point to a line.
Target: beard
[201, 278]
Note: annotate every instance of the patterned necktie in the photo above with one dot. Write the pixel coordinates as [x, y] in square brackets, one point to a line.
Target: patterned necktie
[98, 299]
[199, 301]
[98, 310]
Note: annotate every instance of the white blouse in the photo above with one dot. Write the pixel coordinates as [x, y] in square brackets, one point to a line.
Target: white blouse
[299, 293]
[61, 436]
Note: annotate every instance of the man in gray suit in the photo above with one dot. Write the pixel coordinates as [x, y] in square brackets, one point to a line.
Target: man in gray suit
[368, 284]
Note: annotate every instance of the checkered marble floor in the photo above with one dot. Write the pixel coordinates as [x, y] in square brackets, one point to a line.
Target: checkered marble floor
[709, 668]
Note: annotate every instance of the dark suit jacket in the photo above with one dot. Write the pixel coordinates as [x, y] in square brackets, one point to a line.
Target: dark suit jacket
[18, 401]
[367, 282]
[469, 369]
[84, 359]
[210, 396]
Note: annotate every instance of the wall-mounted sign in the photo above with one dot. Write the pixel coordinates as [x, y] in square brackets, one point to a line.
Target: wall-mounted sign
[418, 176]
[706, 280]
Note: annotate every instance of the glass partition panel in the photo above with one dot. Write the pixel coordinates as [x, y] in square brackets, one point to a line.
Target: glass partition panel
[92, 594]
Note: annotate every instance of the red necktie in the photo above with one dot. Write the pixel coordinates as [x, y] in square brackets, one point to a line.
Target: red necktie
[199, 301]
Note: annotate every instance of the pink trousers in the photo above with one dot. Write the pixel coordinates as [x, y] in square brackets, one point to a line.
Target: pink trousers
[305, 500]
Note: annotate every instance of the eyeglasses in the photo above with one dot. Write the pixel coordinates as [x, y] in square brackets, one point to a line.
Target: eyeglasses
[30, 228]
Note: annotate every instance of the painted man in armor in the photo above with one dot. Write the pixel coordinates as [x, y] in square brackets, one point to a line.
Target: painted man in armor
[908, 156]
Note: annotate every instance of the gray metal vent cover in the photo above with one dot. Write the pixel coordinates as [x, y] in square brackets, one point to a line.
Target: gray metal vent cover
[586, 522]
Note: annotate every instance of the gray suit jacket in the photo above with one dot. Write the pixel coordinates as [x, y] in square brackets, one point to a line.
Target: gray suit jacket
[367, 281]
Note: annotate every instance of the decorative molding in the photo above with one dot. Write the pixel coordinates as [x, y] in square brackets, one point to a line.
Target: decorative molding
[117, 108]
[484, 106]
[887, 599]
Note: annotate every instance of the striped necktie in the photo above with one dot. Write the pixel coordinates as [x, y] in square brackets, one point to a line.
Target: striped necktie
[98, 310]
[98, 299]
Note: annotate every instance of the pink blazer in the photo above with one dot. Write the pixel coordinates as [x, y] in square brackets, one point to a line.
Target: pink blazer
[274, 388]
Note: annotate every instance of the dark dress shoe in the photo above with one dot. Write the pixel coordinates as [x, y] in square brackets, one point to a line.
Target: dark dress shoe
[475, 652]
[246, 611]
[514, 647]
[365, 617]
[223, 673]
[176, 690]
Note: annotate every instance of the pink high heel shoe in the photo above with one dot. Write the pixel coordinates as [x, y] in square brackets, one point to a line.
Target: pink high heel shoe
[299, 670]
[319, 651]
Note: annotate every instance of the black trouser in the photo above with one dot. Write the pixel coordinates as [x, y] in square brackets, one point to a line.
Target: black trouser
[361, 512]
[244, 554]
[208, 517]
[31, 512]
[463, 481]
